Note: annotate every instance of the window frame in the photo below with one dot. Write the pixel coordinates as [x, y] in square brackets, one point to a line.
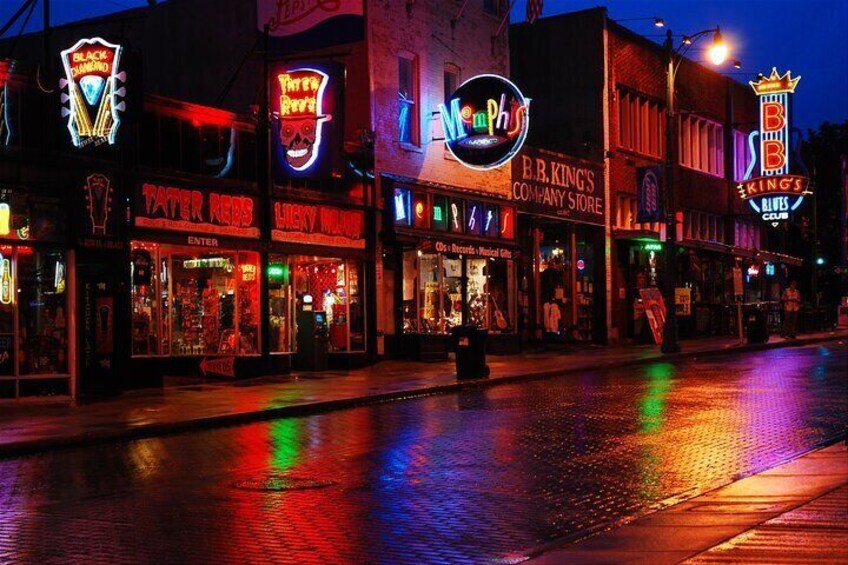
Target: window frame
[414, 104]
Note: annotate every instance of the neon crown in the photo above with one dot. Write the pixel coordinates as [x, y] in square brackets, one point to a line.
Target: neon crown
[775, 83]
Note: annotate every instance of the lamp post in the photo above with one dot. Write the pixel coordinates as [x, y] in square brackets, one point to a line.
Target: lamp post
[718, 53]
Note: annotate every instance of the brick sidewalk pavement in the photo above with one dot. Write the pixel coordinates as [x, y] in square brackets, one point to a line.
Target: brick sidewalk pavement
[795, 512]
[26, 427]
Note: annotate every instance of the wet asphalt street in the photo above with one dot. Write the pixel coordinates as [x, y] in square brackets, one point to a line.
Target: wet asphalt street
[475, 477]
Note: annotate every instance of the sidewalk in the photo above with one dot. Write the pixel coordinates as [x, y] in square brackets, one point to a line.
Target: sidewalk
[27, 427]
[794, 513]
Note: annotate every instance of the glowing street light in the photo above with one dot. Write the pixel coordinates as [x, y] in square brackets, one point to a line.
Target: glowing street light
[718, 50]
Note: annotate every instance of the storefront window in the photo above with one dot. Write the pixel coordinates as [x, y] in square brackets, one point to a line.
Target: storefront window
[566, 284]
[280, 304]
[336, 288]
[33, 289]
[188, 301]
[434, 297]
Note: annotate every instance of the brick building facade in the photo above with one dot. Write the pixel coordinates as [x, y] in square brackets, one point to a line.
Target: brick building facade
[608, 101]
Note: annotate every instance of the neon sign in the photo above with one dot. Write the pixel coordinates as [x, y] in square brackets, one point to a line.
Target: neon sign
[776, 193]
[93, 96]
[485, 121]
[98, 196]
[302, 115]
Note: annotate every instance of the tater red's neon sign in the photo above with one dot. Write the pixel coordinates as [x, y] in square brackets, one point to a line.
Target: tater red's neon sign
[302, 115]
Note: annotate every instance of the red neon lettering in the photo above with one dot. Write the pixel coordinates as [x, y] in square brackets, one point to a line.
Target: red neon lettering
[774, 154]
[773, 118]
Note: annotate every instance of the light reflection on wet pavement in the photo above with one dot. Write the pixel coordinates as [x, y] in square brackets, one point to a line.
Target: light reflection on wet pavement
[469, 477]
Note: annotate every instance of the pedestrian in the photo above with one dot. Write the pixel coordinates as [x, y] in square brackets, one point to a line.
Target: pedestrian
[791, 305]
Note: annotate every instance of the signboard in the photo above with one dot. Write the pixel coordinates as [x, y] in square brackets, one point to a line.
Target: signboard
[432, 212]
[554, 184]
[318, 224]
[649, 194]
[652, 301]
[738, 288]
[94, 95]
[464, 248]
[306, 103]
[196, 211]
[309, 24]
[97, 218]
[485, 121]
[220, 366]
[776, 193]
[683, 301]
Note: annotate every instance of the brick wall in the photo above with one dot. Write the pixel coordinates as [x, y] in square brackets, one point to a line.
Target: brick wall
[639, 65]
[423, 29]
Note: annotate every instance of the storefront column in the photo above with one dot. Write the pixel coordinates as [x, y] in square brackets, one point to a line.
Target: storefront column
[73, 367]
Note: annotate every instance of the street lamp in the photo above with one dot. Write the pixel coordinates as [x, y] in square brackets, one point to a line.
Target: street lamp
[718, 53]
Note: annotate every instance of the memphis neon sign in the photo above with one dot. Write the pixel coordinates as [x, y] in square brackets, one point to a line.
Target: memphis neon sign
[776, 193]
[485, 121]
[302, 115]
[93, 96]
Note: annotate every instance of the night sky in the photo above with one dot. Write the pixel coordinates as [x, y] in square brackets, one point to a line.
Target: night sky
[810, 37]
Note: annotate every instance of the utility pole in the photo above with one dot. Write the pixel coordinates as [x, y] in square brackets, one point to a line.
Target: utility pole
[670, 343]
[46, 42]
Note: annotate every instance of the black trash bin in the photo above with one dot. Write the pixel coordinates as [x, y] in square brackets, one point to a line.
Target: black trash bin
[470, 346]
[756, 325]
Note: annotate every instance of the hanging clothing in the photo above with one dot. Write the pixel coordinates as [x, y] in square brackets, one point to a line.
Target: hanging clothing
[552, 317]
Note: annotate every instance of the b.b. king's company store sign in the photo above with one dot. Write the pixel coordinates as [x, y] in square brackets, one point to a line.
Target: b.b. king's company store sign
[196, 211]
[553, 184]
[485, 121]
[777, 192]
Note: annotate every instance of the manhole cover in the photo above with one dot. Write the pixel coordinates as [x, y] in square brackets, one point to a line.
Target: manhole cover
[275, 483]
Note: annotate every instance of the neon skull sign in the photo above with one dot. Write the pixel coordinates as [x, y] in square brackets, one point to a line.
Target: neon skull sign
[302, 115]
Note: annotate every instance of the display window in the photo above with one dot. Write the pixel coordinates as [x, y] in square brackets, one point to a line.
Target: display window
[566, 285]
[191, 301]
[336, 288]
[33, 312]
[441, 291]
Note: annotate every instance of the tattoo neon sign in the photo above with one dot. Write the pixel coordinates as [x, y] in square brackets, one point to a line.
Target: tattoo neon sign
[93, 96]
[485, 121]
[776, 193]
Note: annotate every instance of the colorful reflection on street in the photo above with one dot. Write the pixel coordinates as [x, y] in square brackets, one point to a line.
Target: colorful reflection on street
[475, 477]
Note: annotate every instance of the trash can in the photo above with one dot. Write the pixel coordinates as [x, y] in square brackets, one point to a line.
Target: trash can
[756, 326]
[470, 347]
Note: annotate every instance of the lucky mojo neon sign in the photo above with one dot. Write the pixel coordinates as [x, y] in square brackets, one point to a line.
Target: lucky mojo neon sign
[93, 98]
[776, 193]
[485, 121]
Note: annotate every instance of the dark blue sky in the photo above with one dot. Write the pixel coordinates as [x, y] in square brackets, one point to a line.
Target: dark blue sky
[810, 37]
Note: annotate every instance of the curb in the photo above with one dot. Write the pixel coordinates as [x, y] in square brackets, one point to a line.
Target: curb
[574, 539]
[33, 447]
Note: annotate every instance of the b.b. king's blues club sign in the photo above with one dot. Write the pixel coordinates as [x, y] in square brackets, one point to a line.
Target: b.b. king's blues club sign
[783, 182]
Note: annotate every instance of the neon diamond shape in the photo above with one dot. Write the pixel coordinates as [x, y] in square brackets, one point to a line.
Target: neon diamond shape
[92, 88]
